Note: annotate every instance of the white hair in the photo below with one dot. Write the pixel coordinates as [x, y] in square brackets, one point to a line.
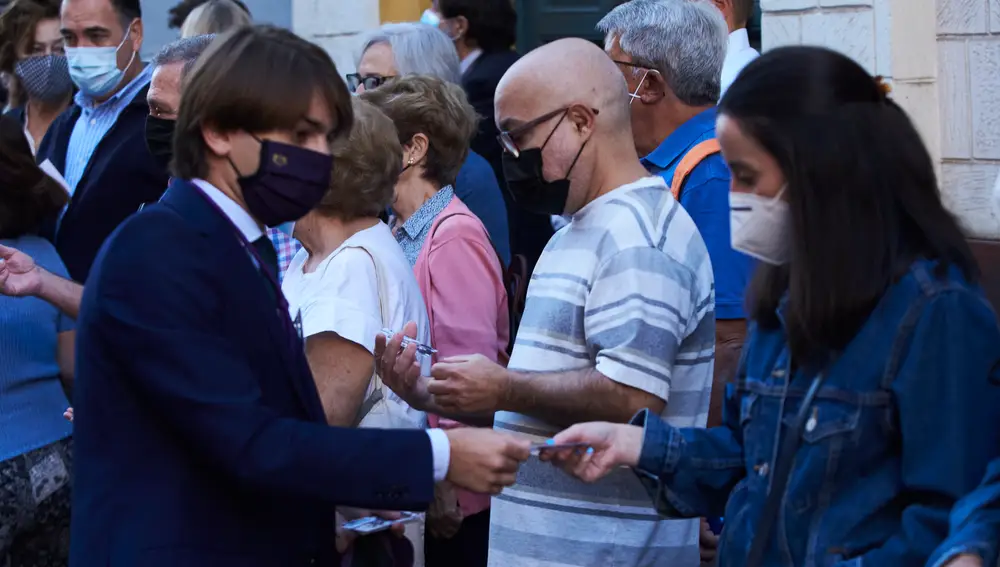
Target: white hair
[418, 49]
[684, 40]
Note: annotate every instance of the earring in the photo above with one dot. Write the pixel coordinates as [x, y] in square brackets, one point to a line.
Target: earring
[410, 162]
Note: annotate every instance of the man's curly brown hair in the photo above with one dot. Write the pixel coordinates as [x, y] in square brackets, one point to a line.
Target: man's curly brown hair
[180, 12]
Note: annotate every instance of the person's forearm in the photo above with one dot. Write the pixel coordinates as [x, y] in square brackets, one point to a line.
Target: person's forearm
[62, 293]
[576, 396]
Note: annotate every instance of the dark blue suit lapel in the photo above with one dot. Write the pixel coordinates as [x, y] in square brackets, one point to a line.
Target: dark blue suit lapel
[183, 197]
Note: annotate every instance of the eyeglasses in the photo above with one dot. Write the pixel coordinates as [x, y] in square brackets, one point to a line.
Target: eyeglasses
[507, 137]
[355, 80]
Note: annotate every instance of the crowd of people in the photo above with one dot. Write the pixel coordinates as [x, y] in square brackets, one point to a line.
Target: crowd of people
[237, 316]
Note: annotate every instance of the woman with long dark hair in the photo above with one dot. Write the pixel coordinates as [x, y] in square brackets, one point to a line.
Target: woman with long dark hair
[36, 361]
[863, 407]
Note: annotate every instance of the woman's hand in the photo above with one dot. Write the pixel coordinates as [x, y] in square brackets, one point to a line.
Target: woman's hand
[611, 445]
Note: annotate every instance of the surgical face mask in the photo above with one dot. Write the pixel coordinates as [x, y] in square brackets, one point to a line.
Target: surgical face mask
[761, 227]
[95, 69]
[430, 18]
[635, 95]
[45, 77]
[288, 229]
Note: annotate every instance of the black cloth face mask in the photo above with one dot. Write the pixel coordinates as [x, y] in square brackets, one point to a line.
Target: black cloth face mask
[160, 140]
[526, 180]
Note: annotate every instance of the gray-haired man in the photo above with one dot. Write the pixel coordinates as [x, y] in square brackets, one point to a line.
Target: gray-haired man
[171, 65]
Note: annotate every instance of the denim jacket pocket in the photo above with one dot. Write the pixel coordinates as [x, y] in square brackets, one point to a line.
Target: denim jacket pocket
[831, 429]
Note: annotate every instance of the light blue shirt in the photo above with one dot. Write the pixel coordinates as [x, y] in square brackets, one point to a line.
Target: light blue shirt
[95, 121]
[417, 228]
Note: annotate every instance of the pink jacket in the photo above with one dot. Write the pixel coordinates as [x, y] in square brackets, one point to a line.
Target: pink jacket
[461, 279]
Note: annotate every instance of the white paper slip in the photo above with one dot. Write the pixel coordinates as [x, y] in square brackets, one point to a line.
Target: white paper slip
[52, 172]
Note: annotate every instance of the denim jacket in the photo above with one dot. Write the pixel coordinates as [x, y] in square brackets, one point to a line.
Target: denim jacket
[904, 424]
[975, 523]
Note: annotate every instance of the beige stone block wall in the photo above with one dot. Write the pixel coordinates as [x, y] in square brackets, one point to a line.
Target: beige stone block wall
[942, 58]
[336, 25]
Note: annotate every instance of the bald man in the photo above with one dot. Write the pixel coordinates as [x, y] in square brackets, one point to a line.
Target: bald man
[619, 318]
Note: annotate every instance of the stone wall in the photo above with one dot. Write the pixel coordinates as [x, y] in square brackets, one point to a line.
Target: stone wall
[942, 58]
[968, 45]
[336, 25]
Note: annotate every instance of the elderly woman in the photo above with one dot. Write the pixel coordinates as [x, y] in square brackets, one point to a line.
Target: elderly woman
[396, 50]
[36, 359]
[351, 280]
[34, 63]
[456, 266]
[214, 17]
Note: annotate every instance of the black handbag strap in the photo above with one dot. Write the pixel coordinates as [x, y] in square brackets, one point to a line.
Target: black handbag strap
[779, 480]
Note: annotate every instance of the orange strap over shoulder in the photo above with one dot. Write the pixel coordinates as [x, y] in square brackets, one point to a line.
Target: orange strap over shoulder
[690, 161]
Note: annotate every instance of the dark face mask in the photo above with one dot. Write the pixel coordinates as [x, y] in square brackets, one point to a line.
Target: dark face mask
[289, 183]
[527, 183]
[160, 140]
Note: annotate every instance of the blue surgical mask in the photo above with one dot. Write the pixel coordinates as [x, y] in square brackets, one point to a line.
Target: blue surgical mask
[430, 18]
[95, 69]
[288, 229]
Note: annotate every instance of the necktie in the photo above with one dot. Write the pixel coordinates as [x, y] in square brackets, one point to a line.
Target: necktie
[267, 254]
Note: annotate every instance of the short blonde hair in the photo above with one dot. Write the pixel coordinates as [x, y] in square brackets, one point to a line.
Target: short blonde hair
[366, 166]
[214, 17]
[419, 104]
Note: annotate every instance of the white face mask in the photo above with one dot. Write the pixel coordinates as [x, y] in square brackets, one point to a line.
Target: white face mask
[430, 18]
[761, 226]
[95, 69]
[635, 95]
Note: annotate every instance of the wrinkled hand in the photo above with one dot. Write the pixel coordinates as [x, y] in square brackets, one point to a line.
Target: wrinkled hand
[397, 367]
[613, 445]
[708, 541]
[19, 275]
[965, 561]
[68, 414]
[468, 384]
[483, 460]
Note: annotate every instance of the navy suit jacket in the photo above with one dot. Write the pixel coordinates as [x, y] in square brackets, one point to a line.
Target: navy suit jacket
[199, 438]
[120, 177]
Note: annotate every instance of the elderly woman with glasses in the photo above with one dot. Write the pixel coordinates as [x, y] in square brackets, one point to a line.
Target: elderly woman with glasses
[396, 50]
[456, 266]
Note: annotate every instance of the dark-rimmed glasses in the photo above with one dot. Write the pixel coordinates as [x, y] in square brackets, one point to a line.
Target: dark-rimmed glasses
[355, 80]
[507, 137]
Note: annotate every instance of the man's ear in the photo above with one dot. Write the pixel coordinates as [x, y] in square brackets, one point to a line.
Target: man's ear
[218, 142]
[653, 87]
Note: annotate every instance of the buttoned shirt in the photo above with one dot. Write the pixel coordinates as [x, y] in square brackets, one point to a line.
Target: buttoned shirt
[95, 121]
[412, 233]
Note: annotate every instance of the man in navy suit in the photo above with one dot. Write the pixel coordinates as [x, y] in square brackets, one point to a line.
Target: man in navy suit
[200, 439]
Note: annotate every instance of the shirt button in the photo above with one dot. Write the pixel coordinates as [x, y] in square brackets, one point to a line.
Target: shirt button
[93, 122]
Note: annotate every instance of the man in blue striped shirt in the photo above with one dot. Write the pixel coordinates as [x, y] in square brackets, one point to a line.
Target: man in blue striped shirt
[98, 144]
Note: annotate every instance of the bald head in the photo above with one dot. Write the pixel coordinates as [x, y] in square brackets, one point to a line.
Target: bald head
[568, 103]
[564, 73]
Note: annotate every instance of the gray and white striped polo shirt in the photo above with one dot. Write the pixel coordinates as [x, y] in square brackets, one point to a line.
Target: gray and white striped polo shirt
[626, 287]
